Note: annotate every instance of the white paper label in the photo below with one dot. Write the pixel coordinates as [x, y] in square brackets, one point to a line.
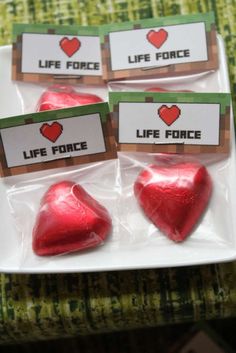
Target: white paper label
[158, 46]
[61, 54]
[41, 142]
[169, 123]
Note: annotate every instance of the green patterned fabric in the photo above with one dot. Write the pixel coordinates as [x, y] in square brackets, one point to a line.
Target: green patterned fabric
[151, 340]
[34, 307]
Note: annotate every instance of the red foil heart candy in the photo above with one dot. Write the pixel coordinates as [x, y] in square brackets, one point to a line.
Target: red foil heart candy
[174, 197]
[59, 97]
[69, 220]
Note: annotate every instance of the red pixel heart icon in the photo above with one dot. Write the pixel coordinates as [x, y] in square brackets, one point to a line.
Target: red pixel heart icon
[169, 115]
[51, 132]
[174, 197]
[157, 38]
[70, 46]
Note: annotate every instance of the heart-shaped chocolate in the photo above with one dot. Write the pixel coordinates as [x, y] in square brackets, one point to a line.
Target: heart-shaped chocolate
[174, 197]
[69, 220]
[59, 97]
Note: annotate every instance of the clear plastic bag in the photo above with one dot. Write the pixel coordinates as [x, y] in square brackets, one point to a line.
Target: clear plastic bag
[172, 198]
[205, 82]
[63, 211]
[134, 241]
[212, 81]
[35, 97]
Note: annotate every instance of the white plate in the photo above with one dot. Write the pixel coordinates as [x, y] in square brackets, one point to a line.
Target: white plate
[126, 251]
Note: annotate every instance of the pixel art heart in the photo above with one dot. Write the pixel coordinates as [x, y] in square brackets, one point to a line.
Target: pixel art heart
[174, 197]
[69, 220]
[169, 115]
[51, 132]
[157, 38]
[70, 46]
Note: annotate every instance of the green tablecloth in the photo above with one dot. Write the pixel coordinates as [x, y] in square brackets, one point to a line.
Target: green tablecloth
[34, 307]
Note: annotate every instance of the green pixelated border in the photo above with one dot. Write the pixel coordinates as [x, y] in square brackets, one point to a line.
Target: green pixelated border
[19, 28]
[100, 108]
[224, 99]
[207, 18]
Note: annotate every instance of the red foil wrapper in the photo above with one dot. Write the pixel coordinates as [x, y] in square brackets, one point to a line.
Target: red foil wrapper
[69, 220]
[174, 197]
[59, 97]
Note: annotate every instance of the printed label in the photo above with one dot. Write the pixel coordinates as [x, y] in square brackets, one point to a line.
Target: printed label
[53, 139]
[168, 123]
[52, 53]
[158, 46]
[171, 122]
[60, 54]
[169, 46]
